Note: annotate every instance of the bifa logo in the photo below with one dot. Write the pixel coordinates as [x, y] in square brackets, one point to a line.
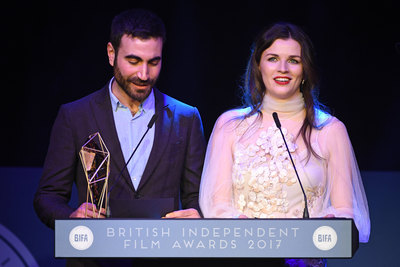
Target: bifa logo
[81, 237]
[325, 238]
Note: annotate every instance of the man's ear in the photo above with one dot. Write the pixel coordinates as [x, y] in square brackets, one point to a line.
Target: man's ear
[111, 54]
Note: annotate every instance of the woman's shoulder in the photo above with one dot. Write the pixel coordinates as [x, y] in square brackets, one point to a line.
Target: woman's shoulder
[328, 123]
[231, 118]
[324, 118]
[233, 114]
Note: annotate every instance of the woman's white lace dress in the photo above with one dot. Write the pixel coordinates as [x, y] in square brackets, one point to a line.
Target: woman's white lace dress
[247, 169]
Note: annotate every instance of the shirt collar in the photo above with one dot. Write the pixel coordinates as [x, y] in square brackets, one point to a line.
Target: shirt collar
[147, 105]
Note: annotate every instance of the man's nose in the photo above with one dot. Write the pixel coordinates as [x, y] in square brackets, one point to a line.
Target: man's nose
[143, 73]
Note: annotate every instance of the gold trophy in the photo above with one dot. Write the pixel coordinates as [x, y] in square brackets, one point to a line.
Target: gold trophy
[95, 159]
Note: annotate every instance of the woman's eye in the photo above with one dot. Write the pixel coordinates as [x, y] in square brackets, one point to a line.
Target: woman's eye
[272, 59]
[293, 61]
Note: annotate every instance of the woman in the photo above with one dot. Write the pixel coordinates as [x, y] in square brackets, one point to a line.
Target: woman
[248, 172]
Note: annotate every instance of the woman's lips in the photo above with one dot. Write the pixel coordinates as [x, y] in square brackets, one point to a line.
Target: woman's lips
[282, 80]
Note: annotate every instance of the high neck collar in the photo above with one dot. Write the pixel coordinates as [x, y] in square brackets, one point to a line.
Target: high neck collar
[285, 108]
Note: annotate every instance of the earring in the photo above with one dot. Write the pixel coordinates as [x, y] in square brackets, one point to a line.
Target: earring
[301, 85]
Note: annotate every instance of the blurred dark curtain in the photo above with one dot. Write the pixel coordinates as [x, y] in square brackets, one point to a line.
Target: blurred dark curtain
[55, 52]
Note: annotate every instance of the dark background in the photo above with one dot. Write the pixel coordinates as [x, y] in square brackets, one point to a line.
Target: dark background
[54, 52]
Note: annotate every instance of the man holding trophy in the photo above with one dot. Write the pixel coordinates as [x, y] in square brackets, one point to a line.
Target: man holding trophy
[128, 147]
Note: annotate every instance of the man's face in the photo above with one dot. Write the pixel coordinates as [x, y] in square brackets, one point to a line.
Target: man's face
[137, 65]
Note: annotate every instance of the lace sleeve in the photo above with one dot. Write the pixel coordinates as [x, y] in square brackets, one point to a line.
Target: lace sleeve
[216, 197]
[345, 195]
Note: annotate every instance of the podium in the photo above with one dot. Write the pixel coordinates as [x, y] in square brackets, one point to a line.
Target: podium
[206, 238]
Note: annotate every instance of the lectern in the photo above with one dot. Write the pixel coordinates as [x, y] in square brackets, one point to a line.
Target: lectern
[205, 238]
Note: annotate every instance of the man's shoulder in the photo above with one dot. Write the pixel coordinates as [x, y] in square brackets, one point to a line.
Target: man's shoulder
[170, 101]
[84, 102]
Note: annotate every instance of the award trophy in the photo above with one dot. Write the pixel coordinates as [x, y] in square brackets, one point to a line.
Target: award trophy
[95, 160]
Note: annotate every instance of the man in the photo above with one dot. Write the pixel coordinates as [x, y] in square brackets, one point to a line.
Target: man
[169, 161]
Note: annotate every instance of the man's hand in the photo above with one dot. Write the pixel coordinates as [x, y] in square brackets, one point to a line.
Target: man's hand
[90, 210]
[188, 213]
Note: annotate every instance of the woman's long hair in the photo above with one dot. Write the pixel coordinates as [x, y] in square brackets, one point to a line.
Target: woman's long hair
[254, 88]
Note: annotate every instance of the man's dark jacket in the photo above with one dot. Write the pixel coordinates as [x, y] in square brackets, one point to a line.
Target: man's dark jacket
[173, 169]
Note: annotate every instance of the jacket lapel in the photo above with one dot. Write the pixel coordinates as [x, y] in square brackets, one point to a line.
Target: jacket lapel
[163, 128]
[103, 114]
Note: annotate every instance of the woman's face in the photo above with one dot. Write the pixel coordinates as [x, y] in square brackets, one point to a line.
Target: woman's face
[281, 68]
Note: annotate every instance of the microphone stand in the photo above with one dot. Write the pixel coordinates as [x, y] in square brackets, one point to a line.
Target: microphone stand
[278, 124]
[151, 123]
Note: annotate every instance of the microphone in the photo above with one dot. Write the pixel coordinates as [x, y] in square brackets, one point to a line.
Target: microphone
[278, 124]
[149, 125]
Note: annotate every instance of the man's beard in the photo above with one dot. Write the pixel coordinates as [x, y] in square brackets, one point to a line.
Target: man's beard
[139, 94]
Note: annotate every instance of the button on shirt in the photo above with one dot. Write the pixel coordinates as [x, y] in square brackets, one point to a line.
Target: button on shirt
[130, 129]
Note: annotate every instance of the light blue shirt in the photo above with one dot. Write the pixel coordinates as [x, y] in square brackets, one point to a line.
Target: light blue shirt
[130, 130]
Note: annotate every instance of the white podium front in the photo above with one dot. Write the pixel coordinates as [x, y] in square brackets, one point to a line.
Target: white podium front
[205, 238]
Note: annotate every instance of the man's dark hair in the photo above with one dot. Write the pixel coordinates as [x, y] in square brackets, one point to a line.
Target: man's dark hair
[140, 23]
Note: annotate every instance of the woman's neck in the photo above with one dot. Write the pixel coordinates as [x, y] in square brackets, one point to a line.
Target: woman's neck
[286, 108]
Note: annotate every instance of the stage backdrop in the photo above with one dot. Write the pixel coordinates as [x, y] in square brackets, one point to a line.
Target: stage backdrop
[55, 52]
[19, 185]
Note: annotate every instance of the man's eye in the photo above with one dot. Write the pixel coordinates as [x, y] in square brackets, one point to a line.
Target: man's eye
[154, 62]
